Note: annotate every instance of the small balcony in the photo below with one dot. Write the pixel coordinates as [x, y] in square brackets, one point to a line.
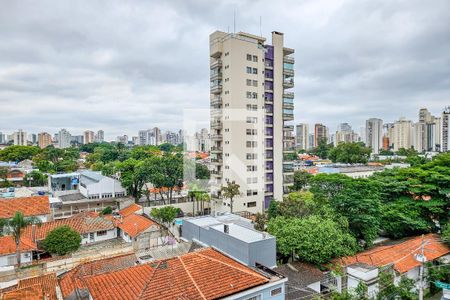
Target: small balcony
[289, 95]
[216, 137]
[216, 88]
[288, 115]
[288, 103]
[216, 112]
[288, 168]
[289, 59]
[288, 72]
[216, 149]
[288, 128]
[216, 124]
[288, 83]
[216, 161]
[216, 101]
[216, 64]
[215, 75]
[217, 173]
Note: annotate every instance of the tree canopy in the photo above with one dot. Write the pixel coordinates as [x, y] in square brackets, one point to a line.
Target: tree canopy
[349, 153]
[62, 240]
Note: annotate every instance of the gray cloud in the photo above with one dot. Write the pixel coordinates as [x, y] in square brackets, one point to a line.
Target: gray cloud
[124, 66]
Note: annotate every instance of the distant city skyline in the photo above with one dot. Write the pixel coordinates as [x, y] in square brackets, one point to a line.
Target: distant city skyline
[354, 60]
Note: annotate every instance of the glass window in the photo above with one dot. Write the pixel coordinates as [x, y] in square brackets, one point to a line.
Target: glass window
[276, 291]
[255, 70]
[249, 70]
[249, 57]
[255, 58]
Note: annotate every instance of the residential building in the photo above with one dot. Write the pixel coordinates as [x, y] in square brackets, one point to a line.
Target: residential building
[88, 137]
[135, 140]
[77, 140]
[139, 230]
[344, 134]
[425, 116]
[8, 251]
[311, 140]
[32, 138]
[44, 140]
[233, 235]
[445, 130]
[401, 257]
[250, 105]
[150, 137]
[183, 277]
[419, 136]
[64, 139]
[320, 133]
[94, 185]
[388, 135]
[374, 134]
[302, 137]
[99, 136]
[35, 206]
[2, 138]
[20, 138]
[90, 226]
[40, 287]
[402, 134]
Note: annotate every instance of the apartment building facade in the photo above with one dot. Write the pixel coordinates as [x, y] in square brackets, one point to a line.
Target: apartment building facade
[320, 134]
[250, 107]
[20, 138]
[44, 139]
[374, 134]
[302, 136]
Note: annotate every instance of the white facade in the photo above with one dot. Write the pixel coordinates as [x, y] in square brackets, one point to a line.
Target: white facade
[445, 130]
[20, 138]
[249, 108]
[11, 259]
[402, 134]
[374, 134]
[100, 136]
[88, 137]
[64, 139]
[98, 236]
[302, 136]
[93, 185]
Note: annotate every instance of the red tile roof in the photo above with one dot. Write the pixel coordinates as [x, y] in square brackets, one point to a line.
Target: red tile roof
[134, 225]
[191, 276]
[34, 288]
[8, 245]
[130, 210]
[401, 254]
[29, 206]
[73, 278]
[47, 282]
[82, 223]
[33, 292]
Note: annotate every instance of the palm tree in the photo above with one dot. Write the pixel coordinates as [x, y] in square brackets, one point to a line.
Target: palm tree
[230, 191]
[15, 227]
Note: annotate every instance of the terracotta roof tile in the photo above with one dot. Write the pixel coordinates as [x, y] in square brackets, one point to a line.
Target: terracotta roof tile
[82, 223]
[191, 276]
[33, 292]
[8, 245]
[29, 206]
[47, 282]
[73, 278]
[130, 210]
[401, 254]
[134, 225]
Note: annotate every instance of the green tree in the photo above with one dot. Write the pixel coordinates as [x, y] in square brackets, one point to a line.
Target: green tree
[446, 233]
[201, 171]
[388, 289]
[322, 149]
[18, 153]
[301, 180]
[106, 211]
[62, 240]
[260, 221]
[15, 227]
[230, 191]
[132, 177]
[166, 214]
[35, 178]
[314, 239]
[350, 153]
[272, 211]
[297, 205]
[3, 173]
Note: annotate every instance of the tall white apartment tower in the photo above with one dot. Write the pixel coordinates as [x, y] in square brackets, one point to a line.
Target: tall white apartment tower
[445, 130]
[250, 105]
[374, 134]
[301, 136]
[20, 138]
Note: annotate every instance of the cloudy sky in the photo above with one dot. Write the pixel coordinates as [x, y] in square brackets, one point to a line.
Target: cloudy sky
[122, 66]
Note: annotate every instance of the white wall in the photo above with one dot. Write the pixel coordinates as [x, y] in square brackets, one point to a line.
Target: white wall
[110, 234]
[25, 257]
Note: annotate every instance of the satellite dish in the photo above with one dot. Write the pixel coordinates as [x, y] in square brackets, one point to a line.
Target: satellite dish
[421, 258]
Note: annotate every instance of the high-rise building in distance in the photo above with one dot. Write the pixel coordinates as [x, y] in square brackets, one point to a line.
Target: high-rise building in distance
[302, 136]
[100, 136]
[250, 104]
[402, 134]
[88, 137]
[64, 139]
[20, 138]
[320, 134]
[374, 134]
[445, 130]
[44, 139]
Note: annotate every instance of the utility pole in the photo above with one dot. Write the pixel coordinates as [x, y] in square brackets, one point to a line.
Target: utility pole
[421, 259]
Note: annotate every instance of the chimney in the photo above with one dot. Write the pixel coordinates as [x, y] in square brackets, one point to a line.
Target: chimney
[33, 233]
[226, 228]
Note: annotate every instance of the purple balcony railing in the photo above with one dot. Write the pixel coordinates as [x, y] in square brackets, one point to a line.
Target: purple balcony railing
[269, 120]
[269, 187]
[268, 85]
[268, 96]
[269, 177]
[268, 74]
[269, 143]
[269, 131]
[269, 165]
[269, 153]
[269, 52]
[269, 108]
[267, 200]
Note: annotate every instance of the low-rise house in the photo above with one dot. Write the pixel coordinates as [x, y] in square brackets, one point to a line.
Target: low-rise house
[203, 274]
[139, 230]
[132, 209]
[40, 287]
[93, 185]
[8, 251]
[35, 206]
[72, 283]
[403, 257]
[304, 280]
[234, 236]
[90, 226]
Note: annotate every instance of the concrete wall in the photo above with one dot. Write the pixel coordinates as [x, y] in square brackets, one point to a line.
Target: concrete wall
[262, 292]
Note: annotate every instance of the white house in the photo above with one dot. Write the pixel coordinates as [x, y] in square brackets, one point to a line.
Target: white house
[8, 256]
[141, 231]
[93, 185]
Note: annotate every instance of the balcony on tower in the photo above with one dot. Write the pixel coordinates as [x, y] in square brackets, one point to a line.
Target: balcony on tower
[288, 82]
[288, 114]
[216, 86]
